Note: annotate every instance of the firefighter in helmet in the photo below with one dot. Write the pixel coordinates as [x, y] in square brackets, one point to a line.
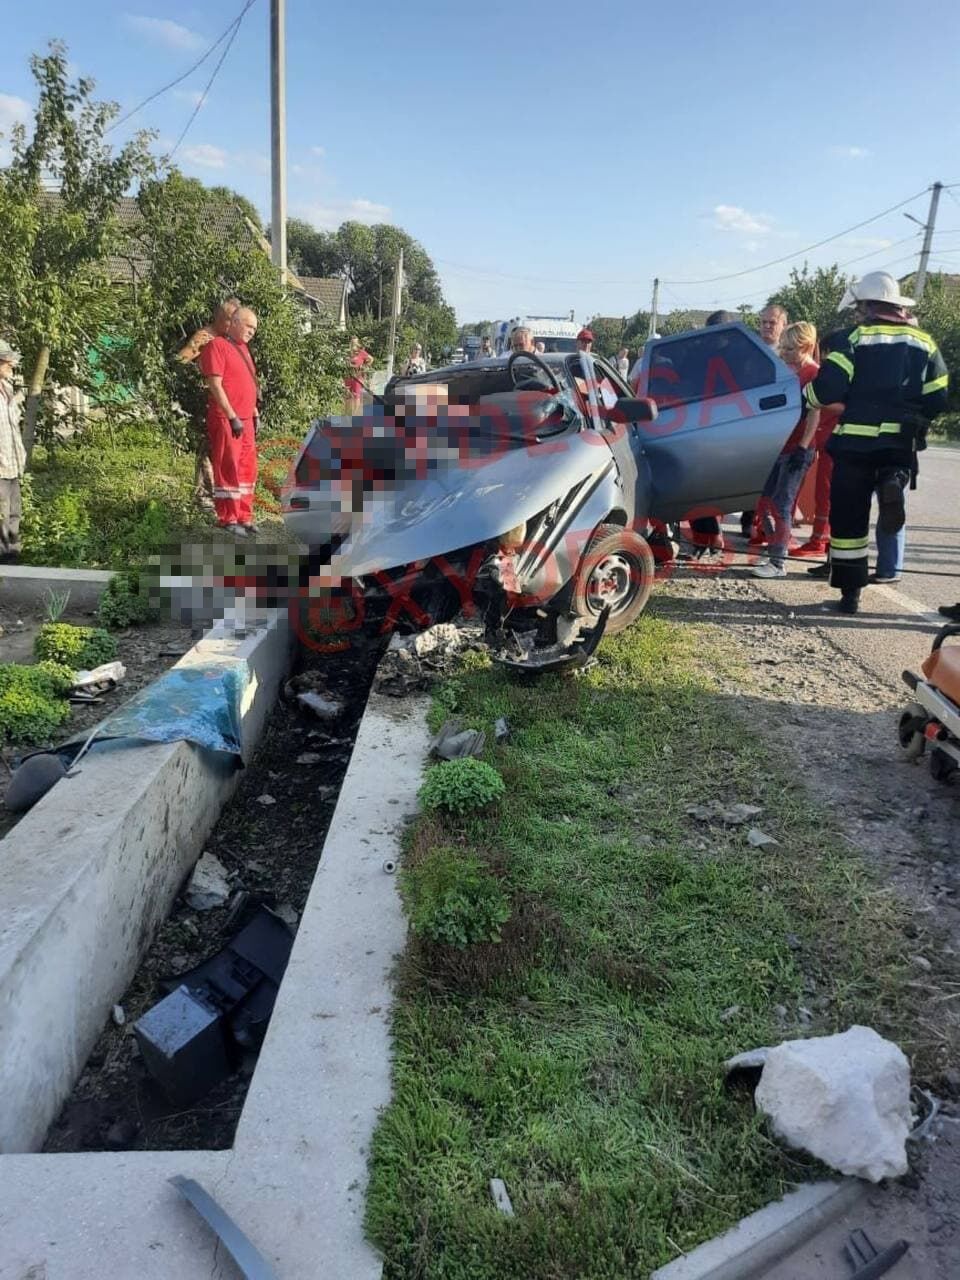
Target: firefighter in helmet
[890, 381]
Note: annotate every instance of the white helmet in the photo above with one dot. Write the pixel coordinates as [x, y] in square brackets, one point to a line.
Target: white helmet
[876, 286]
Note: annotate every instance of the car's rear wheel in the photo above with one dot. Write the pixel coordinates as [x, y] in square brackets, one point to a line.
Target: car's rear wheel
[615, 572]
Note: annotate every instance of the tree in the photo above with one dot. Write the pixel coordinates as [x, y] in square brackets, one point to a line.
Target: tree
[189, 268]
[813, 295]
[939, 313]
[608, 334]
[58, 226]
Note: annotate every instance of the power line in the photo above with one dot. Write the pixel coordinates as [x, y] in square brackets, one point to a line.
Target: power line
[775, 262]
[216, 69]
[189, 72]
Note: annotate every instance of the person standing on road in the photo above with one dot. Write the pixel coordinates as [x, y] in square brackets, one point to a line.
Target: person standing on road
[892, 382]
[486, 350]
[13, 457]
[622, 362]
[415, 363]
[233, 422]
[705, 530]
[353, 384]
[773, 321]
[522, 339]
[217, 328]
[775, 512]
[585, 340]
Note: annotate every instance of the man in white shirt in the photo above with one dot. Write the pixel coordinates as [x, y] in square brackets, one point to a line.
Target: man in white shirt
[13, 457]
[623, 362]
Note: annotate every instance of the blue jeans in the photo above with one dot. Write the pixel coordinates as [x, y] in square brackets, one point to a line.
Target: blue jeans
[779, 499]
[890, 547]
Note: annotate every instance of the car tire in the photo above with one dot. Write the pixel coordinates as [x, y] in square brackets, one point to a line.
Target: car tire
[616, 569]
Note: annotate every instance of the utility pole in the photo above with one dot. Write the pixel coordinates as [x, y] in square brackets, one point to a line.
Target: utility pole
[394, 313]
[653, 307]
[928, 227]
[278, 136]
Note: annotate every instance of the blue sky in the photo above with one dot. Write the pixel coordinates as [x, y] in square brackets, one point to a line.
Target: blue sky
[558, 156]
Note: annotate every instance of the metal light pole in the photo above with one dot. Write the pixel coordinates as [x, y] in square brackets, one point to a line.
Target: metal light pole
[928, 227]
[278, 136]
[394, 313]
[653, 308]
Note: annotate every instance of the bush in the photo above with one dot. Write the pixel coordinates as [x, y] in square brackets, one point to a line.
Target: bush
[32, 704]
[125, 601]
[461, 785]
[452, 898]
[77, 648]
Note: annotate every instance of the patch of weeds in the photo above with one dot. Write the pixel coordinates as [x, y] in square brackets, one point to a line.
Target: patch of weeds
[459, 786]
[32, 701]
[453, 899]
[79, 648]
[126, 601]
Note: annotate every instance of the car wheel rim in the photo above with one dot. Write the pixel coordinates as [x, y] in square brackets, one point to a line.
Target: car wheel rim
[613, 583]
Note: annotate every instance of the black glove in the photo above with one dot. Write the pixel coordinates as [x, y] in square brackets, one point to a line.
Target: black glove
[256, 424]
[236, 426]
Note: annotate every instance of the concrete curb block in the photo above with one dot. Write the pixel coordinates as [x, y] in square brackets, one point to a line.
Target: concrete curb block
[758, 1241]
[87, 876]
[26, 586]
[296, 1176]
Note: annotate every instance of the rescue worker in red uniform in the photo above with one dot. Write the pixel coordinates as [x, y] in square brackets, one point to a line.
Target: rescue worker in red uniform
[892, 381]
[233, 422]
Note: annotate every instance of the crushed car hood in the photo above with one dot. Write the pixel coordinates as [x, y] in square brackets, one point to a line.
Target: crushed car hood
[428, 500]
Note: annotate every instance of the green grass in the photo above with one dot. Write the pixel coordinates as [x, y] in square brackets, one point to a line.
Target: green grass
[580, 1060]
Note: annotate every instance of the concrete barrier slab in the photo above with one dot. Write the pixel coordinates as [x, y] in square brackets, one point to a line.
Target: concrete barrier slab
[295, 1178]
[87, 876]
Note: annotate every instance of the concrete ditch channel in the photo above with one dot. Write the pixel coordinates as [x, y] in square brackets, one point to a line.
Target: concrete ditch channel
[89, 880]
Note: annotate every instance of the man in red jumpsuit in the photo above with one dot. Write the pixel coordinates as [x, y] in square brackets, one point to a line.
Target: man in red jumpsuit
[232, 422]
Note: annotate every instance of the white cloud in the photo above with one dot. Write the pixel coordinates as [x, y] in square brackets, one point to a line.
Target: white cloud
[162, 31]
[252, 161]
[730, 217]
[205, 156]
[13, 111]
[193, 96]
[850, 153]
[327, 217]
[319, 152]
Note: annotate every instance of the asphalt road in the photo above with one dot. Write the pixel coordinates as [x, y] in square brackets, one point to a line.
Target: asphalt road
[932, 562]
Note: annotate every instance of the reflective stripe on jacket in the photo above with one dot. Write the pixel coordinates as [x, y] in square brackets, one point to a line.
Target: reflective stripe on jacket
[889, 375]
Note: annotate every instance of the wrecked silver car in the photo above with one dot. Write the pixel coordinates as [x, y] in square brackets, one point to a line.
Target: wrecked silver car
[531, 488]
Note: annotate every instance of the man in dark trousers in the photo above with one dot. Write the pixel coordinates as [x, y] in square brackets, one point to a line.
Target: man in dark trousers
[892, 381]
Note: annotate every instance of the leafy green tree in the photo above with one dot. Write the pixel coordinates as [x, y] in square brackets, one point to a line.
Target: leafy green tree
[58, 226]
[813, 295]
[189, 268]
[608, 334]
[939, 313]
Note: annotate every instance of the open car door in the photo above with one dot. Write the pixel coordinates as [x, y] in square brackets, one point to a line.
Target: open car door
[726, 406]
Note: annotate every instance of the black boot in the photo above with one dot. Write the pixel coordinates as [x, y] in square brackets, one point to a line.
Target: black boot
[820, 571]
[849, 600]
[892, 483]
[951, 611]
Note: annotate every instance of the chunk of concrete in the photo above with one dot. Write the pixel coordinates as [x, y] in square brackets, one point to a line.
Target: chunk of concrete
[844, 1098]
[208, 885]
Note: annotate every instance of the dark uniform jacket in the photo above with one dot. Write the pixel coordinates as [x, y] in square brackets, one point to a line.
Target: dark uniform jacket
[892, 381]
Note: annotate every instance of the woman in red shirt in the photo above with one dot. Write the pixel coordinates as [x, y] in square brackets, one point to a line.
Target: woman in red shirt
[775, 509]
[359, 359]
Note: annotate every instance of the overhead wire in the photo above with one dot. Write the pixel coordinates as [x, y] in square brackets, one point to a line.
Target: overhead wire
[232, 28]
[209, 84]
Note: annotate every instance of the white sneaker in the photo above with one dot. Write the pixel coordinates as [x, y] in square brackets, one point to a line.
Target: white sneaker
[767, 569]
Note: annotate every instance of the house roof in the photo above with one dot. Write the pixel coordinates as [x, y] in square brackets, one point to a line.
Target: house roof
[950, 283]
[327, 291]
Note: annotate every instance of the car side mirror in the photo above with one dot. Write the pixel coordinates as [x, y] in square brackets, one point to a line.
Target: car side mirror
[633, 409]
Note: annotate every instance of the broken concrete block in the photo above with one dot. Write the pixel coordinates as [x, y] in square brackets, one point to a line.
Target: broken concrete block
[843, 1098]
[323, 708]
[759, 839]
[208, 885]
